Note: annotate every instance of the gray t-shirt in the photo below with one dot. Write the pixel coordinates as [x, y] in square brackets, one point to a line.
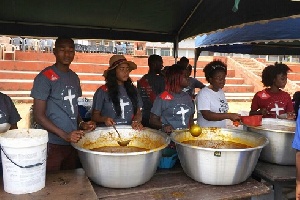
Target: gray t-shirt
[61, 91]
[149, 86]
[174, 109]
[102, 103]
[8, 112]
[193, 83]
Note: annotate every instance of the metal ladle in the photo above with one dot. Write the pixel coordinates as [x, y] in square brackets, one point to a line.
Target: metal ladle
[120, 142]
[195, 130]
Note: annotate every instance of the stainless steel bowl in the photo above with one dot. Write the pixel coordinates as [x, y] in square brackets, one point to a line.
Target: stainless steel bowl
[219, 166]
[4, 127]
[121, 170]
[280, 133]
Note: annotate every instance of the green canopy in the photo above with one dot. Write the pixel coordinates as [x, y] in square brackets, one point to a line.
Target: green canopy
[144, 20]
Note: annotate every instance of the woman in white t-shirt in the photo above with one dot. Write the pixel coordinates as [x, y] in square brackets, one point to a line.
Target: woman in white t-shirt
[212, 106]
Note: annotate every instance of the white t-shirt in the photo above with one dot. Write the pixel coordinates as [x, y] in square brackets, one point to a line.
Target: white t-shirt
[207, 99]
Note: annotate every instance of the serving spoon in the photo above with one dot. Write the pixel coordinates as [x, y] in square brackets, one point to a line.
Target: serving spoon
[121, 142]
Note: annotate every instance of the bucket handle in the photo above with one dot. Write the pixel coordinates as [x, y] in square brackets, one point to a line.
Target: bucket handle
[27, 166]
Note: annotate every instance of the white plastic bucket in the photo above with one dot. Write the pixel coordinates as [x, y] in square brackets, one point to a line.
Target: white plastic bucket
[24, 154]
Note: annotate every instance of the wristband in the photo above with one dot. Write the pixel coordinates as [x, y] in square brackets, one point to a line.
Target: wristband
[80, 123]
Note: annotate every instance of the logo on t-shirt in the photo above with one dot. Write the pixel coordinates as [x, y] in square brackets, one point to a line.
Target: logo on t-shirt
[123, 104]
[182, 112]
[186, 89]
[51, 75]
[223, 106]
[104, 88]
[263, 94]
[2, 117]
[70, 100]
[166, 96]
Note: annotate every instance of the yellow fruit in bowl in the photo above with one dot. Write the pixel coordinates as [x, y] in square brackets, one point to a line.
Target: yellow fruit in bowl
[195, 130]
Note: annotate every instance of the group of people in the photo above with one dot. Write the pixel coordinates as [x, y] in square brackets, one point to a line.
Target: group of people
[163, 99]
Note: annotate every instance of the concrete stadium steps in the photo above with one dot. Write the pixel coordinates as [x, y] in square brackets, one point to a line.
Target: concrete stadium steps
[30, 75]
[16, 77]
[294, 76]
[33, 67]
[232, 85]
[294, 68]
[255, 68]
[18, 91]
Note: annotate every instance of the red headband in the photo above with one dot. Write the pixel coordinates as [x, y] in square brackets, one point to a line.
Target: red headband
[117, 62]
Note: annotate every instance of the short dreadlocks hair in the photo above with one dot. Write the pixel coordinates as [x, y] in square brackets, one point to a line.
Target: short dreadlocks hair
[174, 76]
[211, 68]
[271, 71]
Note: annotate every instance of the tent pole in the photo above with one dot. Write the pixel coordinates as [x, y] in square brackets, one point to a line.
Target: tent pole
[175, 53]
[197, 52]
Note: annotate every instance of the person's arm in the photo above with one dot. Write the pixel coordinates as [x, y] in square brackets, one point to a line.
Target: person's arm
[256, 108]
[98, 118]
[212, 116]
[199, 84]
[13, 126]
[39, 112]
[262, 111]
[155, 122]
[136, 121]
[89, 126]
[297, 175]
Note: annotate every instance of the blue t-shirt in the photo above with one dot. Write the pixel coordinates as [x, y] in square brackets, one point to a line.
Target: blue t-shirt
[102, 103]
[296, 141]
[8, 112]
[61, 91]
[174, 109]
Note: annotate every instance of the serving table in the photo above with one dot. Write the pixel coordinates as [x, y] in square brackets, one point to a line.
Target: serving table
[165, 184]
[278, 175]
[68, 184]
[175, 184]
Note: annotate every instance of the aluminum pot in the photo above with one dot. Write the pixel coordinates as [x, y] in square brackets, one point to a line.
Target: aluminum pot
[219, 166]
[280, 133]
[121, 170]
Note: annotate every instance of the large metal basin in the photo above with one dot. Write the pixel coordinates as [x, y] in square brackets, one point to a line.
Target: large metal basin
[219, 166]
[121, 170]
[280, 133]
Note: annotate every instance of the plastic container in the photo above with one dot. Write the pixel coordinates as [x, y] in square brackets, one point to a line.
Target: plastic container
[253, 120]
[23, 154]
[168, 159]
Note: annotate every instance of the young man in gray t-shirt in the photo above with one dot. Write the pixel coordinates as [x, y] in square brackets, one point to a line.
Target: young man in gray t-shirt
[55, 108]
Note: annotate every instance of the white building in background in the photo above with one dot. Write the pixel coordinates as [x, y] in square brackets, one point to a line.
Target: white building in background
[186, 48]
